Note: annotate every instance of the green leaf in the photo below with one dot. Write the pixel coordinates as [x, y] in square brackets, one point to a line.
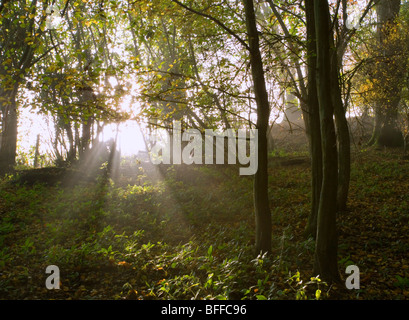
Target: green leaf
[209, 251]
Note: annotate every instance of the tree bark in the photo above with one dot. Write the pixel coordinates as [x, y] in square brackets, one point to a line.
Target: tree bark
[314, 120]
[261, 201]
[326, 246]
[9, 130]
[344, 142]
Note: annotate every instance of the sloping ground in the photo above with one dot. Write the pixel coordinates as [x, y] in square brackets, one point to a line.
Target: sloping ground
[374, 233]
[191, 234]
[291, 137]
[187, 232]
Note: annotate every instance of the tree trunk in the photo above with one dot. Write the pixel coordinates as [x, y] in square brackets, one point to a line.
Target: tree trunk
[314, 121]
[326, 246]
[71, 155]
[9, 130]
[378, 122]
[386, 130]
[261, 201]
[389, 133]
[86, 135]
[37, 152]
[344, 158]
[344, 142]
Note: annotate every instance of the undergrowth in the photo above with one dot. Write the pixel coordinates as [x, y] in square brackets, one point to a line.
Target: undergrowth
[190, 235]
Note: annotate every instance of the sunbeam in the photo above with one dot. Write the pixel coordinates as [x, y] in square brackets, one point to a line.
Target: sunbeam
[130, 138]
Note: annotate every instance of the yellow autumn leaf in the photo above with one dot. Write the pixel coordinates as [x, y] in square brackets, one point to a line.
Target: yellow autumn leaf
[124, 264]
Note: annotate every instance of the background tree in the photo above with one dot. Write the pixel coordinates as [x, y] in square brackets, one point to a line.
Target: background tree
[22, 26]
[80, 84]
[387, 75]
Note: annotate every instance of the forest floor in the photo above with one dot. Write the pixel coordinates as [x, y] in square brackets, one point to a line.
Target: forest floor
[188, 233]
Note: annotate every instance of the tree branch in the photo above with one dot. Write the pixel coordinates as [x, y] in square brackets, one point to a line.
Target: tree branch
[218, 22]
[65, 8]
[303, 89]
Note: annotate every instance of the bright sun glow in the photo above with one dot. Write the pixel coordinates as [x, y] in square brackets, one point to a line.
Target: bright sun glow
[130, 138]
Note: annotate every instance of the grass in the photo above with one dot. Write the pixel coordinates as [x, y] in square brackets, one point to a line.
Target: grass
[191, 234]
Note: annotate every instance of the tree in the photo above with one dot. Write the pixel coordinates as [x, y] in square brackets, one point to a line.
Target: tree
[314, 121]
[73, 83]
[326, 246]
[252, 49]
[387, 75]
[340, 107]
[22, 27]
[293, 60]
[299, 54]
[261, 201]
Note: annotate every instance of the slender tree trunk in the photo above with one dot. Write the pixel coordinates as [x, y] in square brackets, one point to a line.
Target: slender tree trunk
[37, 152]
[77, 140]
[378, 122]
[326, 245]
[344, 142]
[261, 201]
[71, 156]
[86, 135]
[314, 120]
[344, 159]
[9, 130]
[87, 98]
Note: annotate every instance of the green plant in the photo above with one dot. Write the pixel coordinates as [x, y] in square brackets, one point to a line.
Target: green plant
[306, 290]
[28, 247]
[4, 257]
[401, 282]
[6, 227]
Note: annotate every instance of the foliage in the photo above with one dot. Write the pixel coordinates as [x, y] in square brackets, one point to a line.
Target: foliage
[144, 241]
[380, 77]
[185, 232]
